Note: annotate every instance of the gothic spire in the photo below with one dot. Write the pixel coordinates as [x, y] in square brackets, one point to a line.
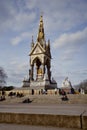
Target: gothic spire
[32, 43]
[41, 35]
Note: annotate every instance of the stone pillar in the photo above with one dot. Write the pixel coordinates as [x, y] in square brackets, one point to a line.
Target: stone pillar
[32, 67]
[43, 69]
[36, 72]
[49, 73]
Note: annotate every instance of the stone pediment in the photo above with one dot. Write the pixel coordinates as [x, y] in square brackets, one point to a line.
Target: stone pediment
[37, 49]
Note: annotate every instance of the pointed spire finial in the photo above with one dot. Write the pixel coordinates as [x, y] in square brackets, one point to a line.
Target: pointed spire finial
[32, 43]
[32, 39]
[41, 30]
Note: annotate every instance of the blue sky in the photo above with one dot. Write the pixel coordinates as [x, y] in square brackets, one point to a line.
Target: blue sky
[65, 24]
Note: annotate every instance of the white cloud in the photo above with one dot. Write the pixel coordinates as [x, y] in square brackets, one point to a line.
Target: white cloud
[13, 62]
[58, 16]
[17, 71]
[66, 39]
[30, 4]
[23, 20]
[23, 36]
[63, 15]
[16, 63]
[14, 17]
[16, 40]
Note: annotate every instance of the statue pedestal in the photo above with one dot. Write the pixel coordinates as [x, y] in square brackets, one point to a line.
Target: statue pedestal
[40, 83]
[43, 84]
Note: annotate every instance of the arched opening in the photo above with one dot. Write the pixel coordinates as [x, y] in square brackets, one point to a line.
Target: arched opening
[38, 69]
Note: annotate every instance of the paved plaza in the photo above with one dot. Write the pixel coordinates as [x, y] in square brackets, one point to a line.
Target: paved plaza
[59, 109]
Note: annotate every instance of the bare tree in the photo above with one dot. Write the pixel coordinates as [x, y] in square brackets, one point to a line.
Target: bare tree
[3, 77]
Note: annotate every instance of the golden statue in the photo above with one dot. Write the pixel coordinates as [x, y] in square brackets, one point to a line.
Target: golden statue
[39, 71]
